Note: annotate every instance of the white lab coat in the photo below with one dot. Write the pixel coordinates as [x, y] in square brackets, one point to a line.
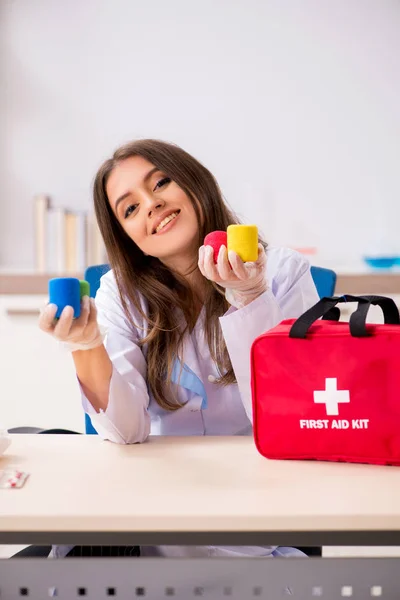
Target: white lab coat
[132, 414]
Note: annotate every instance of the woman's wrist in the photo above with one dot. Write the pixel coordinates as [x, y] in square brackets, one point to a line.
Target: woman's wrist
[241, 298]
[90, 344]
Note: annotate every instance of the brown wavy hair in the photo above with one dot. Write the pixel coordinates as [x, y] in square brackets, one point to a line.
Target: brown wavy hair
[137, 273]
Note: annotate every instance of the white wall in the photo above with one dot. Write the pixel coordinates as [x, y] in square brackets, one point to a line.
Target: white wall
[295, 106]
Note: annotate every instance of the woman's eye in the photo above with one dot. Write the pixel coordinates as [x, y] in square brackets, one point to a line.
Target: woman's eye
[162, 182]
[130, 210]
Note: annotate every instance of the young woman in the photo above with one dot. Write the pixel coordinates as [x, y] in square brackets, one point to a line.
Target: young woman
[165, 348]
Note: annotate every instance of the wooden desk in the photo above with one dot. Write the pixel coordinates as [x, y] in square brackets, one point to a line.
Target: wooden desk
[369, 282]
[357, 281]
[195, 490]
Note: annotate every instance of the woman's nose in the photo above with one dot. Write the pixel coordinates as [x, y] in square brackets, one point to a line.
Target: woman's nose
[156, 206]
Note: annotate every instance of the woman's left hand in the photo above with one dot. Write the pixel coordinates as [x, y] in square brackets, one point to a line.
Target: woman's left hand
[243, 282]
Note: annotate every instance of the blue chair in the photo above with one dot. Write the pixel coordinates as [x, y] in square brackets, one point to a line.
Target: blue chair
[325, 281]
[93, 276]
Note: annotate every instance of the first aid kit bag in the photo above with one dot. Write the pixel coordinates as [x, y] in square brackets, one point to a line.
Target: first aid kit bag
[324, 389]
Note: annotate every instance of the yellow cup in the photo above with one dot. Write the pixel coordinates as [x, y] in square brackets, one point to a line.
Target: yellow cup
[243, 239]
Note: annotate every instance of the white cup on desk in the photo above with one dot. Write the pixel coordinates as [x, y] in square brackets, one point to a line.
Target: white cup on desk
[5, 440]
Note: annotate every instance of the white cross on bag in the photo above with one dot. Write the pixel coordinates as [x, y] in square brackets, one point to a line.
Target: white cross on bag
[331, 396]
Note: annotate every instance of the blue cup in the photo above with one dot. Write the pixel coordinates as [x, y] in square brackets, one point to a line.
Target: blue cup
[65, 291]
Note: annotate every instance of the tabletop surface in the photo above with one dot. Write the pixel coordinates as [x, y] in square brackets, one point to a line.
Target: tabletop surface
[351, 279]
[81, 483]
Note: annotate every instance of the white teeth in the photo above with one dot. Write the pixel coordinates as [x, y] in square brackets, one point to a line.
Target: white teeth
[166, 220]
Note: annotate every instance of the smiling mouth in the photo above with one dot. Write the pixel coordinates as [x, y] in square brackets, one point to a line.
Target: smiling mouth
[165, 221]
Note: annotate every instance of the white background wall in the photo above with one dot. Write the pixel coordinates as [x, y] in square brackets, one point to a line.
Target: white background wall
[294, 105]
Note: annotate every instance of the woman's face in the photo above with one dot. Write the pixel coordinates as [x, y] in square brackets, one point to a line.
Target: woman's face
[153, 210]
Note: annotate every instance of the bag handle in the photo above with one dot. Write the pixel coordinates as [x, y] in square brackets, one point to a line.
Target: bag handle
[359, 317]
[325, 308]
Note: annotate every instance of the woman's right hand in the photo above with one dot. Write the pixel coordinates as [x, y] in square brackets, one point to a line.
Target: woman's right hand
[82, 333]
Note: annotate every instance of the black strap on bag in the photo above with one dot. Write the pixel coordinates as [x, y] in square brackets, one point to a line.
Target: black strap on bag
[327, 309]
[359, 317]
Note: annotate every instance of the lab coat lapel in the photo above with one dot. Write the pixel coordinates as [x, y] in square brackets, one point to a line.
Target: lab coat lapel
[188, 374]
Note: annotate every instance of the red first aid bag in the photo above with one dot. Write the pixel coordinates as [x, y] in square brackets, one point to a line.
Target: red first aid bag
[329, 390]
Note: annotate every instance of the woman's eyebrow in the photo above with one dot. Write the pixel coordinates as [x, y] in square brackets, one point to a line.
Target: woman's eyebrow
[145, 180]
[120, 199]
[149, 174]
